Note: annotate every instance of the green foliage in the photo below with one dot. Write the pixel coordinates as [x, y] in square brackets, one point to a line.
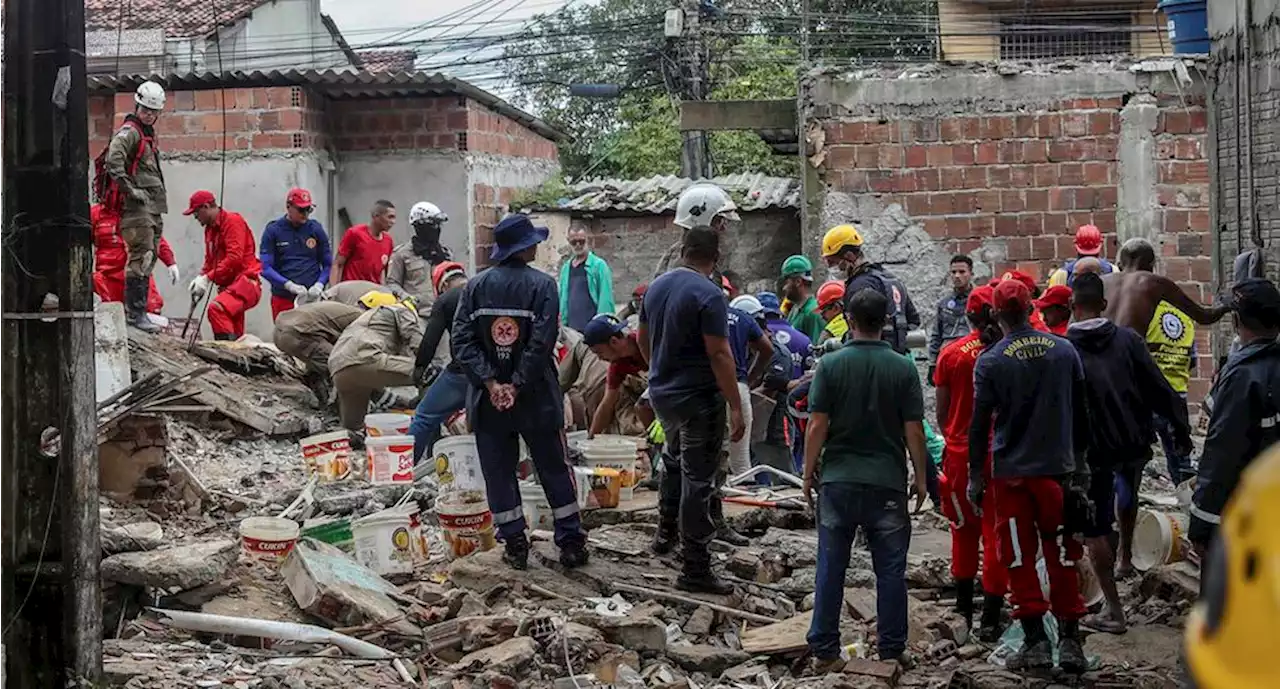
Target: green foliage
[546, 196]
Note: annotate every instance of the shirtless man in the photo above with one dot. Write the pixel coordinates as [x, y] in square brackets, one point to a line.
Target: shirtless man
[1134, 293]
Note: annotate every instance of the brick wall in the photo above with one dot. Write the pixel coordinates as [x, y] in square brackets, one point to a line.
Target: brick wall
[439, 122]
[489, 205]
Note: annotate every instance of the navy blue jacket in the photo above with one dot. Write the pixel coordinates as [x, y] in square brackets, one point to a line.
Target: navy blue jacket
[901, 314]
[298, 254]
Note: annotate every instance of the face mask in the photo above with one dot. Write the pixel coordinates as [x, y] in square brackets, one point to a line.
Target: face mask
[838, 273]
[427, 232]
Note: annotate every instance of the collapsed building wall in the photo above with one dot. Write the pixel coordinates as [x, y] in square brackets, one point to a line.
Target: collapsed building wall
[1002, 163]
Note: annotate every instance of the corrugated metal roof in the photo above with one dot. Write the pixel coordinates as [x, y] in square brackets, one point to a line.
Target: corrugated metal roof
[334, 84]
[656, 195]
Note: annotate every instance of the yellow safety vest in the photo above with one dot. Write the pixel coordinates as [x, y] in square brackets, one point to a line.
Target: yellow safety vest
[1170, 338]
[837, 326]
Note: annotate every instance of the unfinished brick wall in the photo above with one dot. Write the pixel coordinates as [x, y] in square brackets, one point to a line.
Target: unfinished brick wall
[438, 122]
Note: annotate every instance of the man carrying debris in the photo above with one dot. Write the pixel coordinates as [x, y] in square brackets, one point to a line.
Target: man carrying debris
[230, 262]
[366, 249]
[295, 254]
[504, 336]
[627, 378]
[842, 249]
[1031, 386]
[1246, 416]
[376, 351]
[447, 393]
[797, 288]
[684, 335]
[132, 185]
[1123, 388]
[411, 265]
[309, 333]
[865, 414]
[971, 524]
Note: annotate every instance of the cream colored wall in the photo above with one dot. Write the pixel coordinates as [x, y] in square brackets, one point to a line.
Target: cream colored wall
[959, 20]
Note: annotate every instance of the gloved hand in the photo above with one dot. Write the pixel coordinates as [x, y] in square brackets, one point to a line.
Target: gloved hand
[295, 288]
[1079, 512]
[933, 370]
[174, 275]
[199, 286]
[424, 376]
[977, 487]
[316, 290]
[303, 299]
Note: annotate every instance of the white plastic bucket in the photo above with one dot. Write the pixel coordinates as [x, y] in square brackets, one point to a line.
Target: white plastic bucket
[390, 459]
[384, 542]
[1089, 588]
[327, 455]
[1157, 539]
[537, 510]
[1186, 492]
[458, 464]
[575, 438]
[387, 424]
[268, 539]
[467, 524]
[614, 452]
[582, 482]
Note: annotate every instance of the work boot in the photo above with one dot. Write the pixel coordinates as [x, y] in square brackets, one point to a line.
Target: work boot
[320, 386]
[703, 580]
[724, 532]
[356, 440]
[516, 552]
[1070, 651]
[224, 337]
[1037, 652]
[666, 539]
[135, 305]
[574, 555]
[989, 629]
[964, 601]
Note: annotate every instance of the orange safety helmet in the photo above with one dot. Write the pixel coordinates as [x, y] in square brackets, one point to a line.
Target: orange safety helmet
[443, 272]
[831, 291]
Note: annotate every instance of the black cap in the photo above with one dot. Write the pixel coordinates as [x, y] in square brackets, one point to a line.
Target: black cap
[1257, 299]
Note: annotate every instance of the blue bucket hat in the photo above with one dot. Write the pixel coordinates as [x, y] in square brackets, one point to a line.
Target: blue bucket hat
[514, 234]
[769, 300]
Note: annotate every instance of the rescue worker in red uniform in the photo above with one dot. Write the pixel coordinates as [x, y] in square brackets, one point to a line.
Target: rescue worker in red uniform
[953, 378]
[1036, 319]
[110, 256]
[230, 262]
[1031, 385]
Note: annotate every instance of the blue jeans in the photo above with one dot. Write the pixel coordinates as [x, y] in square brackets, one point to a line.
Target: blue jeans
[843, 508]
[447, 395]
[1179, 466]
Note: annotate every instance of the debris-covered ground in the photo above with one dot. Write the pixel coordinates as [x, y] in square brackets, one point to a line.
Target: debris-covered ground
[172, 544]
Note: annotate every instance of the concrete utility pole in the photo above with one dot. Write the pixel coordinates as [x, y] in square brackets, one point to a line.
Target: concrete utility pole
[52, 596]
[695, 156]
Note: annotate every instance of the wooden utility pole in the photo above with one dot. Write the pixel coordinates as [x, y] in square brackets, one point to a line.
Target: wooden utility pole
[52, 595]
[695, 157]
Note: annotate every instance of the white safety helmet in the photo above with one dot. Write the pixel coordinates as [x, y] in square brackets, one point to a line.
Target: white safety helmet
[748, 304]
[702, 203]
[150, 95]
[424, 211]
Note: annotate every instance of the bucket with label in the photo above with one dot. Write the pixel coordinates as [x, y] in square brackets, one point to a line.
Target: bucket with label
[327, 455]
[466, 522]
[390, 459]
[605, 486]
[390, 423]
[458, 464]
[1157, 539]
[384, 542]
[268, 539]
[335, 532]
[582, 484]
[617, 452]
[537, 511]
[416, 532]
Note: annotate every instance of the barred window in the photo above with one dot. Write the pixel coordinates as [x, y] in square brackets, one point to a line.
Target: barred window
[1086, 35]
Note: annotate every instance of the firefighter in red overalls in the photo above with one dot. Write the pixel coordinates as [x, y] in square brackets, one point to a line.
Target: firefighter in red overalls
[230, 262]
[110, 256]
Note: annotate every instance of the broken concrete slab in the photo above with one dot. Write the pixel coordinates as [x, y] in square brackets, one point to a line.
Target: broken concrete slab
[712, 660]
[1177, 582]
[179, 567]
[132, 538]
[480, 572]
[700, 622]
[331, 586]
[787, 636]
[511, 657]
[638, 633]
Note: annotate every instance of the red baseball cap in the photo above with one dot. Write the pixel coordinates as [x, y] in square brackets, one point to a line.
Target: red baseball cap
[980, 297]
[1058, 295]
[1012, 295]
[198, 200]
[299, 198]
[1021, 277]
[1088, 240]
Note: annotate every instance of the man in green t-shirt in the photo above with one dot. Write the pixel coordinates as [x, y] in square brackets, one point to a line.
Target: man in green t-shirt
[865, 412]
[797, 288]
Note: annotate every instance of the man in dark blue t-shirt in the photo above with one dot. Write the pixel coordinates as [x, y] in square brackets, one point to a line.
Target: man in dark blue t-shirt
[684, 335]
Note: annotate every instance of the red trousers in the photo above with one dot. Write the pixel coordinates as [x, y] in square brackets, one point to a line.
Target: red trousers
[112, 289]
[226, 311]
[1029, 517]
[968, 529]
[279, 305]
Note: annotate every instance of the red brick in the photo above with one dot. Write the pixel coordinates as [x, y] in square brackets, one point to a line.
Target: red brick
[1049, 126]
[1198, 121]
[852, 181]
[1112, 103]
[882, 181]
[928, 179]
[982, 226]
[1079, 104]
[971, 127]
[939, 155]
[291, 120]
[1176, 221]
[1106, 221]
[1001, 176]
[1086, 198]
[1010, 151]
[936, 227]
[951, 129]
[1018, 248]
[456, 121]
[917, 204]
[1071, 174]
[1177, 269]
[208, 100]
[1006, 225]
[1064, 150]
[941, 204]
[1202, 269]
[1075, 124]
[1035, 151]
[1037, 200]
[1032, 268]
[842, 157]
[1022, 175]
[1025, 126]
[999, 127]
[962, 154]
[952, 178]
[852, 132]
[1174, 123]
[1062, 198]
[1013, 201]
[868, 157]
[987, 153]
[1064, 244]
[879, 133]
[183, 100]
[975, 178]
[957, 226]
[965, 202]
[1107, 197]
[1046, 175]
[988, 201]
[916, 156]
[1101, 123]
[1043, 248]
[1106, 148]
[1188, 149]
[1097, 173]
[1198, 221]
[1030, 224]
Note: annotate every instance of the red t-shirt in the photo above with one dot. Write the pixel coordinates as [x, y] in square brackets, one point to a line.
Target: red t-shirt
[1037, 321]
[955, 372]
[620, 369]
[366, 257]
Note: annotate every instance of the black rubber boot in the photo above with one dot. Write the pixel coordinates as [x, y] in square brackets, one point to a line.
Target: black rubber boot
[666, 540]
[964, 601]
[516, 553]
[703, 580]
[1037, 652]
[989, 628]
[724, 532]
[574, 555]
[1070, 651]
[135, 305]
[224, 337]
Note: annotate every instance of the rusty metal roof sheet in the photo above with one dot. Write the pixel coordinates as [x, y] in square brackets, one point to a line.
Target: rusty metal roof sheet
[656, 195]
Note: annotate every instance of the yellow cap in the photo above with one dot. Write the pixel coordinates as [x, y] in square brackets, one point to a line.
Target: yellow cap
[375, 298]
[838, 238]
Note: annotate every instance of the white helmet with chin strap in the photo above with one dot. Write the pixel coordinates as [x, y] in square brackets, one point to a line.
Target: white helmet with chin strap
[150, 95]
[702, 203]
[425, 212]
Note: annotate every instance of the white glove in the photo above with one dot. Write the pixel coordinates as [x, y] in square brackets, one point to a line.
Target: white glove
[315, 291]
[174, 275]
[303, 299]
[295, 288]
[200, 286]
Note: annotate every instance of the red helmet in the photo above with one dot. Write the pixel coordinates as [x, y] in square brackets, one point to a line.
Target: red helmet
[832, 291]
[1088, 240]
[444, 271]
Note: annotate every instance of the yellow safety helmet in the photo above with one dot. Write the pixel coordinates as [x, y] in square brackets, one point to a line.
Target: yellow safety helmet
[838, 237]
[1230, 634]
[375, 298]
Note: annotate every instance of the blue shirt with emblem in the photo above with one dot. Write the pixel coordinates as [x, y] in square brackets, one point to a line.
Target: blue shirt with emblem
[298, 254]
